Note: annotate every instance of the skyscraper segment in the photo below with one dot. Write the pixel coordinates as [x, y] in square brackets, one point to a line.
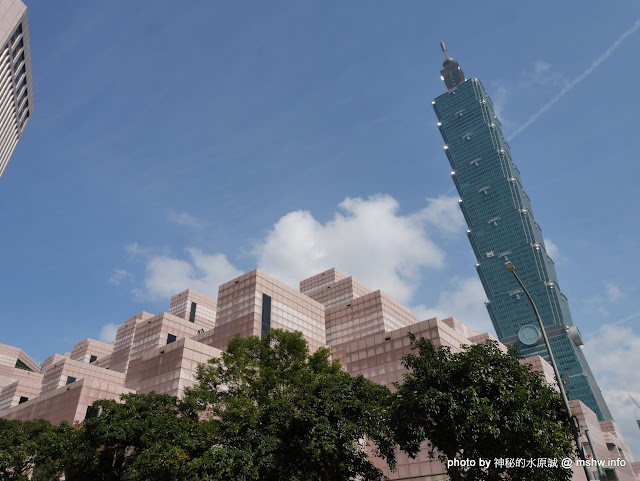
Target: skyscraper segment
[502, 227]
[16, 90]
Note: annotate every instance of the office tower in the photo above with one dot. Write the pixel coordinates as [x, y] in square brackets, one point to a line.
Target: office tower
[16, 90]
[502, 227]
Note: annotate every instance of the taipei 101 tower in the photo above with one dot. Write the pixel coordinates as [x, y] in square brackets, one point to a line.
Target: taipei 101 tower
[502, 227]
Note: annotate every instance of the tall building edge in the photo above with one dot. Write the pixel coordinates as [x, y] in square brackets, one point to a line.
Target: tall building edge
[502, 227]
[16, 84]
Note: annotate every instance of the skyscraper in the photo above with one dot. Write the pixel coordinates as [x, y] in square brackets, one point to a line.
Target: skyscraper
[16, 90]
[502, 227]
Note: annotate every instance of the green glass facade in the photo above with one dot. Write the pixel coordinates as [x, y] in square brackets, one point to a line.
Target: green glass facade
[502, 227]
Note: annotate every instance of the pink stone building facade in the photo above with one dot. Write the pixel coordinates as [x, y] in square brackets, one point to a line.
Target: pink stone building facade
[366, 330]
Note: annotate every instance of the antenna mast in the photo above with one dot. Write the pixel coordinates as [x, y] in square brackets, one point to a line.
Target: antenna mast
[444, 50]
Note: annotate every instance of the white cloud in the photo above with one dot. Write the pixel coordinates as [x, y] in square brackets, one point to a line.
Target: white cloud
[540, 66]
[134, 251]
[119, 276]
[552, 249]
[184, 219]
[443, 213]
[464, 301]
[603, 300]
[166, 276]
[499, 99]
[541, 73]
[614, 357]
[369, 240]
[108, 332]
[613, 292]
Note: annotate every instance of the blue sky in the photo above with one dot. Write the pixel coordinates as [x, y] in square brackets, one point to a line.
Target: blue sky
[175, 145]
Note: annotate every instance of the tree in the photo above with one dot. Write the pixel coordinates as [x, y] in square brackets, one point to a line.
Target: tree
[279, 413]
[480, 404]
[29, 450]
[146, 436]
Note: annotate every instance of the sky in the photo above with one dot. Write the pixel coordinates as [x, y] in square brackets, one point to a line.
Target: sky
[176, 145]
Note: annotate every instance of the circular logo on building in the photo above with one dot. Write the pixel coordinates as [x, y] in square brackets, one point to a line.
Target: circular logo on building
[529, 335]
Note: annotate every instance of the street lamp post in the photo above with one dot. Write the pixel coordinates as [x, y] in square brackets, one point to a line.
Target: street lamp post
[576, 434]
[601, 473]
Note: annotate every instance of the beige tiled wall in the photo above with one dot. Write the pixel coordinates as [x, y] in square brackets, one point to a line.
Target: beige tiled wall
[169, 369]
[10, 395]
[240, 310]
[66, 403]
[124, 338]
[340, 292]
[369, 314]
[321, 280]
[83, 350]
[57, 374]
[153, 332]
[52, 359]
[205, 312]
[9, 374]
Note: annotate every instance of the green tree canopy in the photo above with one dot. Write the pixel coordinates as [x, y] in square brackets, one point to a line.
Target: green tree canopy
[480, 403]
[25, 445]
[144, 437]
[280, 413]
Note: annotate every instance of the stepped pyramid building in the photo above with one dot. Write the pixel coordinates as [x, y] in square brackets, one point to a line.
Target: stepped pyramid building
[366, 329]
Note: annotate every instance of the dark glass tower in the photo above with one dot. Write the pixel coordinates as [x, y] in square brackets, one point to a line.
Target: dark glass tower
[501, 227]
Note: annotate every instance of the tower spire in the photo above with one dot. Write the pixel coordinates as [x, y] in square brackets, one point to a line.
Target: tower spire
[451, 72]
[444, 50]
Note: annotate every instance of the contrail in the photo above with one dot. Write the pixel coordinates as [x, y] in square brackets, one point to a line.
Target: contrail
[617, 323]
[626, 319]
[577, 80]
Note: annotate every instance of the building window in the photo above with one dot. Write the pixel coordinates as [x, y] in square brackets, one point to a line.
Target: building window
[22, 84]
[22, 365]
[18, 47]
[92, 412]
[266, 316]
[192, 313]
[24, 119]
[70, 379]
[18, 60]
[26, 104]
[22, 71]
[23, 399]
[24, 94]
[93, 358]
[16, 33]
[171, 338]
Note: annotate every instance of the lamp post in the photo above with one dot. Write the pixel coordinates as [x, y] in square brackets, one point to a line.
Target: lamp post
[576, 435]
[601, 474]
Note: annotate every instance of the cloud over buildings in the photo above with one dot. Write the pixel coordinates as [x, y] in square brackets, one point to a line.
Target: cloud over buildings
[166, 276]
[108, 332]
[614, 357]
[367, 238]
[464, 300]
